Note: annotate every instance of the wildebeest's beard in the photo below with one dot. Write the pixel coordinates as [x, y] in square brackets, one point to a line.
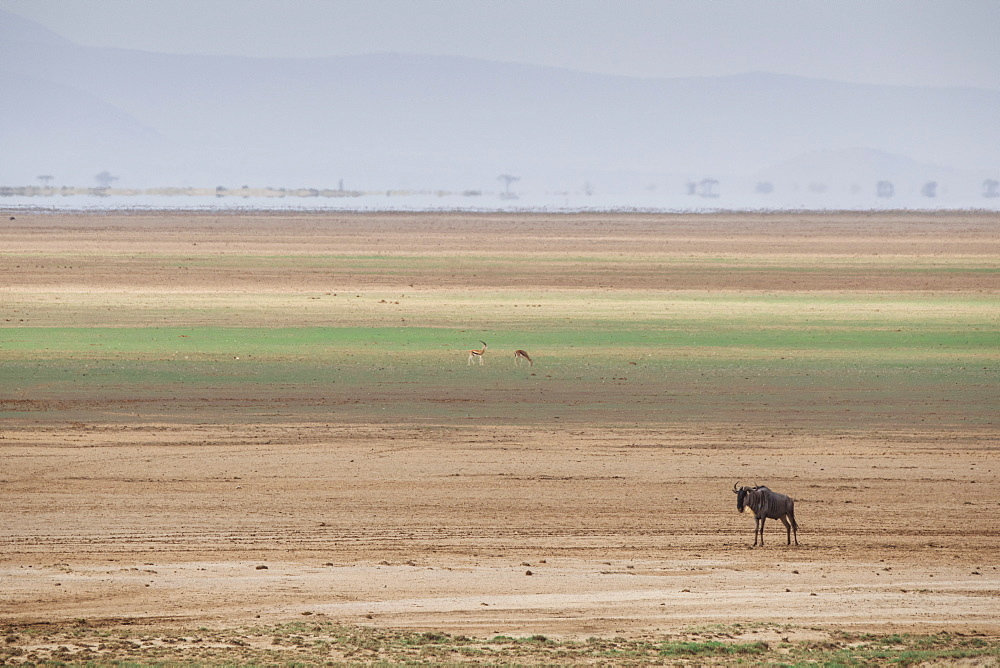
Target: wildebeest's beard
[741, 498]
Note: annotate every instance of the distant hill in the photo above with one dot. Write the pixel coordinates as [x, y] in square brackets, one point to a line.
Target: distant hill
[13, 28]
[51, 128]
[397, 121]
[856, 166]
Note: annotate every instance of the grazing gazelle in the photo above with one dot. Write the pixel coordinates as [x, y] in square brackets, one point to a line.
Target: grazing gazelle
[522, 355]
[477, 353]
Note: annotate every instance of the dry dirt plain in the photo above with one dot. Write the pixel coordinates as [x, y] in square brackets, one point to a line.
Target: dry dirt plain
[234, 506]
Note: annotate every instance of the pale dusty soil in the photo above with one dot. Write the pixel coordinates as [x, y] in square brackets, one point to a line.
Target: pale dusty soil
[84, 253]
[623, 531]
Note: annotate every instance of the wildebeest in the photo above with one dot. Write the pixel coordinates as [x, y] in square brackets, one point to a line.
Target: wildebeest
[766, 504]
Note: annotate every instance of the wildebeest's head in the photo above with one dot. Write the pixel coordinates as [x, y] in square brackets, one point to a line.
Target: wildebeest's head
[741, 497]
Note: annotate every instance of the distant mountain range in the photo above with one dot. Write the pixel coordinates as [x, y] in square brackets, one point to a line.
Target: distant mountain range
[399, 121]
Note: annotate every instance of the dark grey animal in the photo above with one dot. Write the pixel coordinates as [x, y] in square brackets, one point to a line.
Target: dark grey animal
[766, 504]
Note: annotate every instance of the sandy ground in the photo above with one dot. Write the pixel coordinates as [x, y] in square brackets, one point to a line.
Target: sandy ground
[574, 531]
[486, 531]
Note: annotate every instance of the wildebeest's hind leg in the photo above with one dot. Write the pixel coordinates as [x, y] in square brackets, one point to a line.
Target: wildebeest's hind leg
[795, 525]
[788, 530]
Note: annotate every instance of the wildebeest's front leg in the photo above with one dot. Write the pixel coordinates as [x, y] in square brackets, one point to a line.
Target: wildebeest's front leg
[759, 529]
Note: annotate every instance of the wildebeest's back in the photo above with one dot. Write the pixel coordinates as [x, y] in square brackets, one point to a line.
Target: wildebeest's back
[772, 505]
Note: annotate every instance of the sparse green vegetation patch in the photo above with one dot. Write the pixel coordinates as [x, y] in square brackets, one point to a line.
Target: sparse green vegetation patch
[321, 642]
[635, 322]
[639, 371]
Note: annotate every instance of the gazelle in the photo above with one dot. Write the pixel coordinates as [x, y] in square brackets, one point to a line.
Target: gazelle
[522, 355]
[477, 353]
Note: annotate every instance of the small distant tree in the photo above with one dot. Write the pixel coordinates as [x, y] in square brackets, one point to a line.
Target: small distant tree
[105, 179]
[46, 179]
[885, 189]
[507, 180]
[929, 189]
[765, 188]
[991, 188]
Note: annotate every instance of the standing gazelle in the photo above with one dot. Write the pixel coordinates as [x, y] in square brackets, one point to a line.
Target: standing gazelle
[477, 353]
[522, 355]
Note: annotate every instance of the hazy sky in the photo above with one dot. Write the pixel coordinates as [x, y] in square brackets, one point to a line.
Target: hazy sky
[908, 42]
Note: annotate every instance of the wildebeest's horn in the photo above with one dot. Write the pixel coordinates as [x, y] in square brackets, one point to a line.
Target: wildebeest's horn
[735, 491]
